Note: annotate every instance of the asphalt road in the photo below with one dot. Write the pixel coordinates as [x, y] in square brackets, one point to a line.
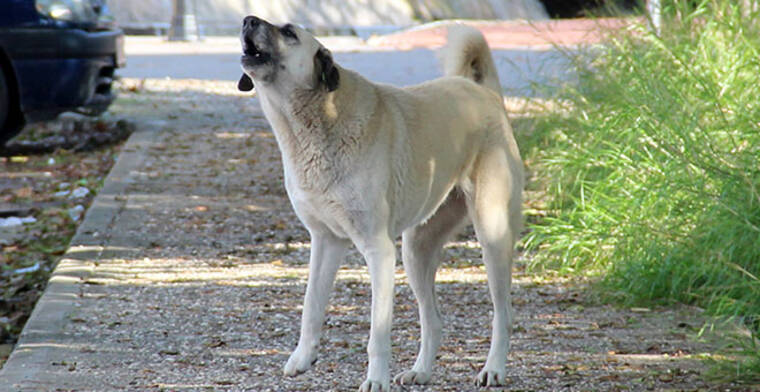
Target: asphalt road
[522, 71]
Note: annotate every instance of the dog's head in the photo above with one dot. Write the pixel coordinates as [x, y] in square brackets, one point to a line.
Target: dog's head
[286, 56]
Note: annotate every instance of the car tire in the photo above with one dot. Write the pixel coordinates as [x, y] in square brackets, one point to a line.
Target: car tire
[5, 105]
[11, 120]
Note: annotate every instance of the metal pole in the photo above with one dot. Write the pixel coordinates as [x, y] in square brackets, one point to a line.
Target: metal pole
[183, 26]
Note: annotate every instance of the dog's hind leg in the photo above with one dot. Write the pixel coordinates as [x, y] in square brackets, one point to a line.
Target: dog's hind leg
[421, 251]
[494, 207]
[327, 253]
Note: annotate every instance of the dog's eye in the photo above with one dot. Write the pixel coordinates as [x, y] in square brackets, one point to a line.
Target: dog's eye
[288, 31]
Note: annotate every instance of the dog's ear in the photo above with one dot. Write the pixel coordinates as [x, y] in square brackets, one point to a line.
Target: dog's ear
[245, 83]
[325, 70]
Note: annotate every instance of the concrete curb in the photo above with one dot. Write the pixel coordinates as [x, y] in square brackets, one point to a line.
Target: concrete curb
[43, 332]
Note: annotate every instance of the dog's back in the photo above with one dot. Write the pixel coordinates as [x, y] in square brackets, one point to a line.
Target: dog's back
[467, 54]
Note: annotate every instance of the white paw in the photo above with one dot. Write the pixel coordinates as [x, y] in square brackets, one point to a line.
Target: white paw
[411, 377]
[491, 378]
[375, 386]
[299, 362]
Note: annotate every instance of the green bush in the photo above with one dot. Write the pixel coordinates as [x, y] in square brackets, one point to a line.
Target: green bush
[650, 175]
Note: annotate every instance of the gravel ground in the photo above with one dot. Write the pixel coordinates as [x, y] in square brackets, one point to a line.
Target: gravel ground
[202, 284]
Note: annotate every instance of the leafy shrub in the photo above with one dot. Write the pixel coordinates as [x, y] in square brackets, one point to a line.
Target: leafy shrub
[651, 173]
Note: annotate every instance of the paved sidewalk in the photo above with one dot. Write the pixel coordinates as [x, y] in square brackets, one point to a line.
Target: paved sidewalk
[189, 269]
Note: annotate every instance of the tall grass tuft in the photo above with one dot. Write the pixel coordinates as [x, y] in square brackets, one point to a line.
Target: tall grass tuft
[651, 173]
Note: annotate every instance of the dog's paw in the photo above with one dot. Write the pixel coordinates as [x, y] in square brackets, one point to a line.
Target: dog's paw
[375, 386]
[491, 378]
[411, 377]
[299, 362]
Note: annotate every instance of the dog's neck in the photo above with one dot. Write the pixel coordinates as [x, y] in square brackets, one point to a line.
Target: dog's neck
[315, 131]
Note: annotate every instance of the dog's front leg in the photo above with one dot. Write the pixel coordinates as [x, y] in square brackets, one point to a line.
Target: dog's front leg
[380, 255]
[327, 253]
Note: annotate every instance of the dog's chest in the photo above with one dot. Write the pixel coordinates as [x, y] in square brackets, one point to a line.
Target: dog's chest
[314, 160]
[322, 208]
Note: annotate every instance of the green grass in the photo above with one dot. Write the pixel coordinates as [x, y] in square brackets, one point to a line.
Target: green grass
[650, 175]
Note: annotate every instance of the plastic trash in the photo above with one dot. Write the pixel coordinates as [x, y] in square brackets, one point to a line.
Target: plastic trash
[75, 213]
[79, 192]
[27, 270]
[16, 221]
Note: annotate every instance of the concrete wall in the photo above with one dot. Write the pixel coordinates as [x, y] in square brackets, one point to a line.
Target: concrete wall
[221, 14]
[427, 10]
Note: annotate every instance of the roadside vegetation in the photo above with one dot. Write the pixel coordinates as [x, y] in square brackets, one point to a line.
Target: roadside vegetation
[648, 176]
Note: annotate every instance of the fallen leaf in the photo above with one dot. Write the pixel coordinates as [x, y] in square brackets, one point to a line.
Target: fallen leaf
[610, 377]
[24, 192]
[665, 377]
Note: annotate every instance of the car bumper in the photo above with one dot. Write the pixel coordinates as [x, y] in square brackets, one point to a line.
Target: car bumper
[64, 69]
[65, 43]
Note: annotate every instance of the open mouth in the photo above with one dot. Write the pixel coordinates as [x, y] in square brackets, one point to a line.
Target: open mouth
[254, 53]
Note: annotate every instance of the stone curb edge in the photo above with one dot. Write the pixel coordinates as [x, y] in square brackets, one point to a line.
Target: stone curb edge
[50, 315]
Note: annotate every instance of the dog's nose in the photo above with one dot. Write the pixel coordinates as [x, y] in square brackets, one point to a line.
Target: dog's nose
[250, 22]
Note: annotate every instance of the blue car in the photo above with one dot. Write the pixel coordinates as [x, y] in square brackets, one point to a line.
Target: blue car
[55, 56]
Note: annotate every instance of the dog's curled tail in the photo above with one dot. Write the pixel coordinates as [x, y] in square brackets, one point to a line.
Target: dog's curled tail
[467, 54]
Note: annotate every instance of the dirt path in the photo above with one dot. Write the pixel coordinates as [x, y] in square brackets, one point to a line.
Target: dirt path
[200, 283]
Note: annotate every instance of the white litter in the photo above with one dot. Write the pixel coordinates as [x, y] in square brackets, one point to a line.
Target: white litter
[27, 270]
[61, 193]
[16, 221]
[76, 212]
[79, 192]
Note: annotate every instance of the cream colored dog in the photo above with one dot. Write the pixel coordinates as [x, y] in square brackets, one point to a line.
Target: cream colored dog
[366, 162]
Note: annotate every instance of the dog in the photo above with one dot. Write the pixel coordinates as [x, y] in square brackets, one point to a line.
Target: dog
[366, 162]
